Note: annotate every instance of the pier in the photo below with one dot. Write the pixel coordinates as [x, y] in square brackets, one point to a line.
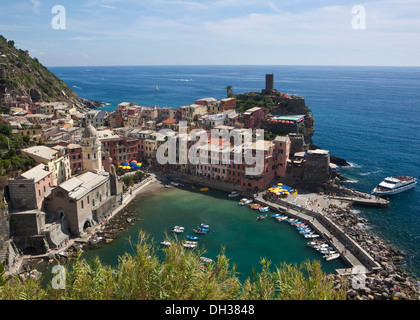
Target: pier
[366, 202]
[351, 252]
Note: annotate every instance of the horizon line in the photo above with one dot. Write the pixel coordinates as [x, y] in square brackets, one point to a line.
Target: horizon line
[234, 65]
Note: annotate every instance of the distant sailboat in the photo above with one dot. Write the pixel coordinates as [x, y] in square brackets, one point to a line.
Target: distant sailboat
[157, 88]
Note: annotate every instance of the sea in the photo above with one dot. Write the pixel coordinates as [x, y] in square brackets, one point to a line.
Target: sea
[370, 116]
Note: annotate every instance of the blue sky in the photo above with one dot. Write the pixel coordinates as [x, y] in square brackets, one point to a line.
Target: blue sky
[218, 32]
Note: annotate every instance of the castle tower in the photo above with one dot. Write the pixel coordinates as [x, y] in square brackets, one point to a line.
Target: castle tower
[269, 84]
[91, 150]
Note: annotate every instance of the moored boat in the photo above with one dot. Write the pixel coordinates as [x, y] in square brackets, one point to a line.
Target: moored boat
[394, 185]
[245, 201]
[263, 216]
[206, 260]
[190, 244]
[192, 238]
[330, 257]
[178, 229]
[233, 194]
[165, 243]
[199, 231]
[264, 209]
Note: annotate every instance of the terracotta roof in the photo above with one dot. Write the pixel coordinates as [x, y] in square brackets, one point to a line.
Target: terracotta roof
[169, 121]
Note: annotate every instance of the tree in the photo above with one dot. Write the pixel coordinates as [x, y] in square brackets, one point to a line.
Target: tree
[229, 91]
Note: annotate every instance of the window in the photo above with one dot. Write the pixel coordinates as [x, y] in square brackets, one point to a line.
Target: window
[82, 204]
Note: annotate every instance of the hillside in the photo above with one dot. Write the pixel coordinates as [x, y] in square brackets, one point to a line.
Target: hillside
[25, 76]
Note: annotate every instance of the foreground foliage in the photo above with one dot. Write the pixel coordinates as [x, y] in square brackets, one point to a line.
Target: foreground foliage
[179, 276]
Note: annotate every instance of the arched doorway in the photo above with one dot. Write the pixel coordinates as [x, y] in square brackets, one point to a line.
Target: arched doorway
[87, 225]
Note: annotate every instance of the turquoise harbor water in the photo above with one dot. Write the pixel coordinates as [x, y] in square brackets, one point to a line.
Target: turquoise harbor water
[368, 115]
[233, 227]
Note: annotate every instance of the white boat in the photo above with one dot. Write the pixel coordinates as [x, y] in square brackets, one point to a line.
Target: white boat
[165, 243]
[207, 260]
[394, 185]
[190, 244]
[167, 186]
[245, 201]
[330, 257]
[282, 218]
[178, 229]
[233, 194]
[175, 184]
[157, 88]
[311, 235]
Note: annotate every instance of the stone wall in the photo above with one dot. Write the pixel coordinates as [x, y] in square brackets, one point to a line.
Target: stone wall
[4, 227]
[27, 223]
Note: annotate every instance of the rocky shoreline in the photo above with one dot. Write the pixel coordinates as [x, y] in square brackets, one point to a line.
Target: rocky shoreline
[390, 283]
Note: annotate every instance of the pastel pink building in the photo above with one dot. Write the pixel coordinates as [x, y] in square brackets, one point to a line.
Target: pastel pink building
[29, 189]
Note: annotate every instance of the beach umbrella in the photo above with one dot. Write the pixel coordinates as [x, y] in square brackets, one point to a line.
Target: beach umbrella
[125, 164]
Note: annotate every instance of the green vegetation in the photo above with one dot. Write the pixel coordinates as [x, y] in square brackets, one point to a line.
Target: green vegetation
[130, 179]
[251, 100]
[27, 76]
[179, 275]
[10, 158]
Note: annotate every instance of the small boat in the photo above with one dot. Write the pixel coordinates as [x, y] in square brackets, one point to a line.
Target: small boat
[282, 218]
[233, 194]
[175, 184]
[263, 216]
[330, 257]
[177, 229]
[394, 185]
[308, 231]
[204, 229]
[204, 189]
[165, 243]
[199, 231]
[167, 186]
[245, 201]
[129, 220]
[206, 260]
[257, 207]
[202, 225]
[264, 209]
[276, 215]
[295, 223]
[192, 238]
[190, 244]
[311, 235]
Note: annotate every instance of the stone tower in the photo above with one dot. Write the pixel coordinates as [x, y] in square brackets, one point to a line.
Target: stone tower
[269, 84]
[91, 150]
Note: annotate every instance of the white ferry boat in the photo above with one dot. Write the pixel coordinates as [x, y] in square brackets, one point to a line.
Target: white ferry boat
[394, 185]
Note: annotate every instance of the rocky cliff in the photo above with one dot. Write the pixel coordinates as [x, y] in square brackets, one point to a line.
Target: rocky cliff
[25, 76]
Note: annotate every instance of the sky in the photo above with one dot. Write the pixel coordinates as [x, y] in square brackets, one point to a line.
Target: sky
[218, 32]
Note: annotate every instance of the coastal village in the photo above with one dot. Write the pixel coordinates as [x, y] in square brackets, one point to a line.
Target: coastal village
[81, 157]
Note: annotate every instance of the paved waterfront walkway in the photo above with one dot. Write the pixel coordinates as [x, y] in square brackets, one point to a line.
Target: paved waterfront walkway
[296, 212]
